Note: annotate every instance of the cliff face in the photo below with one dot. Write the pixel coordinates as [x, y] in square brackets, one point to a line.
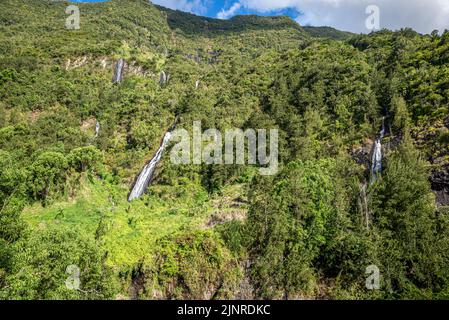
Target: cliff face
[432, 140]
[440, 175]
[440, 185]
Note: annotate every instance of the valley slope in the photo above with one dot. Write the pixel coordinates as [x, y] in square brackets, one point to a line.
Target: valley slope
[218, 231]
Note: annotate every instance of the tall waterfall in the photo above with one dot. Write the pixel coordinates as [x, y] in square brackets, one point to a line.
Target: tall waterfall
[118, 71]
[146, 175]
[376, 162]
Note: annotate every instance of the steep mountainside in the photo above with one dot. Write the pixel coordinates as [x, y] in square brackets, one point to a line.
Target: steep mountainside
[73, 141]
[327, 32]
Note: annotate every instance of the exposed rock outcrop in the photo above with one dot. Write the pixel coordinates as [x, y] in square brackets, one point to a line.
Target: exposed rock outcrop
[363, 153]
[439, 180]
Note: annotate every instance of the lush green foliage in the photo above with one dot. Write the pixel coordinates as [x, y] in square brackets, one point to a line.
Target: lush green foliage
[204, 231]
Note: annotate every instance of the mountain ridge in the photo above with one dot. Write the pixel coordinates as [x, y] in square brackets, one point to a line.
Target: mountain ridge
[239, 23]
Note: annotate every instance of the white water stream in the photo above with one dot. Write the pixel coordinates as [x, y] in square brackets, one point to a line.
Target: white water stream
[146, 175]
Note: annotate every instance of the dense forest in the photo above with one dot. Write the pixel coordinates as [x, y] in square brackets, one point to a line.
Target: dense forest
[72, 142]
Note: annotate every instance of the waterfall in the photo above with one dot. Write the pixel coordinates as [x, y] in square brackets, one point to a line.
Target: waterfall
[382, 131]
[97, 129]
[363, 205]
[376, 162]
[146, 175]
[164, 78]
[118, 71]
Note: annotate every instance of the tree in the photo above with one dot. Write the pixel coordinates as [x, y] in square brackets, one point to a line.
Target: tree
[286, 223]
[412, 253]
[83, 158]
[190, 265]
[48, 174]
[400, 114]
[40, 264]
[12, 201]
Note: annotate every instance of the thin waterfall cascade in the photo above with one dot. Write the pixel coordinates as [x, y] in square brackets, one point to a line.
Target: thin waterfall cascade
[97, 129]
[376, 166]
[118, 74]
[147, 173]
[197, 84]
[376, 162]
[164, 78]
[363, 205]
[382, 131]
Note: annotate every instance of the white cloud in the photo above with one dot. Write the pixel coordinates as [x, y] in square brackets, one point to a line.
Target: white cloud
[225, 14]
[421, 15]
[192, 6]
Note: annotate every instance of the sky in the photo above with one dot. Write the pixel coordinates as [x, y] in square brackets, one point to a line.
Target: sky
[349, 15]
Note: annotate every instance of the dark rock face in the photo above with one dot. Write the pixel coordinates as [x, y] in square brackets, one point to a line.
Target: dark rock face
[362, 155]
[393, 142]
[436, 155]
[439, 180]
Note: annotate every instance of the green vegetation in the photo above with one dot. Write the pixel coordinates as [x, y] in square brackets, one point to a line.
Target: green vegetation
[211, 232]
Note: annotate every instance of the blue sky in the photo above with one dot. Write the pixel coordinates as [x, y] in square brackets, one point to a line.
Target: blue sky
[213, 9]
[350, 15]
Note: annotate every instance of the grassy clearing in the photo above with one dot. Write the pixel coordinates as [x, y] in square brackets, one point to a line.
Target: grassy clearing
[129, 230]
